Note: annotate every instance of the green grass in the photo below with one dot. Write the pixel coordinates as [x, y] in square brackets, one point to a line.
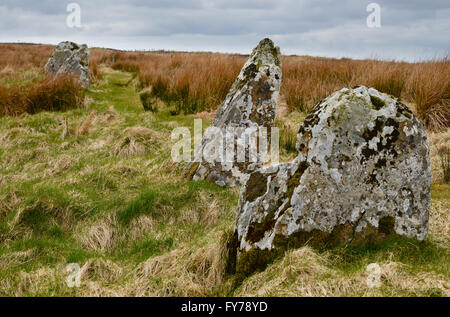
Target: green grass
[76, 200]
[440, 191]
[417, 255]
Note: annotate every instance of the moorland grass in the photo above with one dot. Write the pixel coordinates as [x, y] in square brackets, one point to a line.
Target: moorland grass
[138, 228]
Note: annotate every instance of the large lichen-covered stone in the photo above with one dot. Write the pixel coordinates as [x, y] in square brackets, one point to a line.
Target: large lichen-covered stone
[362, 173]
[70, 58]
[250, 104]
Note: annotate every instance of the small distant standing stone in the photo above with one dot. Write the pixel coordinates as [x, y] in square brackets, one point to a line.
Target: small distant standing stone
[70, 58]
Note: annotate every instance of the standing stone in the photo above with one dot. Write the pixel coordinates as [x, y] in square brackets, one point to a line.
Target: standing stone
[70, 58]
[249, 105]
[362, 173]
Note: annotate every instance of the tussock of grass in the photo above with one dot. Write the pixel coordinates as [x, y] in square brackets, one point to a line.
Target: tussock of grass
[288, 137]
[101, 269]
[148, 101]
[440, 155]
[57, 94]
[100, 236]
[445, 164]
[429, 88]
[182, 272]
[137, 141]
[84, 128]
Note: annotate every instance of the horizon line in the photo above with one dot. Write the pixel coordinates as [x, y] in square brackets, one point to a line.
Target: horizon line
[446, 56]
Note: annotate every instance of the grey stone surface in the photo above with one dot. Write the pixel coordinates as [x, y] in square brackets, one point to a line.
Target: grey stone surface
[70, 58]
[250, 104]
[362, 173]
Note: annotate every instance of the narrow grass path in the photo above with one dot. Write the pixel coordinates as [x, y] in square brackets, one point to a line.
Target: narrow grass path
[117, 90]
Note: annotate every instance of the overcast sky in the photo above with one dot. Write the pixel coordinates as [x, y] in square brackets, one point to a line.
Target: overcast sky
[410, 29]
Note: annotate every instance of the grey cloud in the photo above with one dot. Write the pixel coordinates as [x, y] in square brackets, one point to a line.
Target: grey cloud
[410, 29]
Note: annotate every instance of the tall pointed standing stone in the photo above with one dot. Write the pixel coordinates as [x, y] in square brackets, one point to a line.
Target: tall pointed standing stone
[249, 105]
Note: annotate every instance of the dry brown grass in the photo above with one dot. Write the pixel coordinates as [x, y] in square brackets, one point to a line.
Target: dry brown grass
[12, 101]
[440, 220]
[306, 81]
[25, 88]
[440, 155]
[303, 272]
[17, 56]
[84, 128]
[182, 272]
[99, 236]
[429, 88]
[195, 82]
[190, 82]
[101, 269]
[57, 94]
[136, 141]
[94, 68]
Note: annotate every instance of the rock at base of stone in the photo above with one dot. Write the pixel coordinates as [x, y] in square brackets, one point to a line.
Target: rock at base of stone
[70, 58]
[362, 174]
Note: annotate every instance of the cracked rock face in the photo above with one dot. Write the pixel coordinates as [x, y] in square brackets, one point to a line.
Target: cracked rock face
[250, 104]
[70, 58]
[362, 173]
